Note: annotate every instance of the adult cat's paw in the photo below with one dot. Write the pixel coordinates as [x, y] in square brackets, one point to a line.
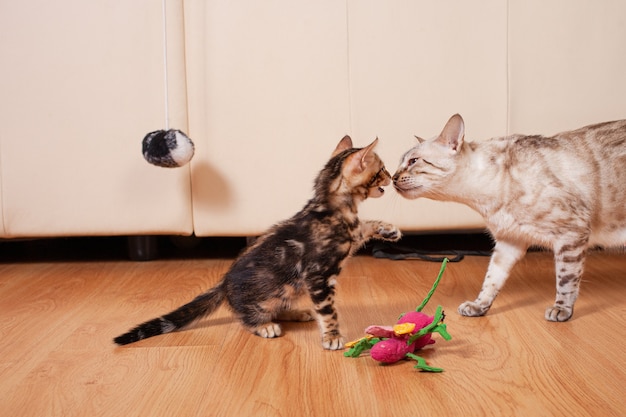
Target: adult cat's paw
[269, 330]
[559, 313]
[389, 232]
[472, 309]
[332, 341]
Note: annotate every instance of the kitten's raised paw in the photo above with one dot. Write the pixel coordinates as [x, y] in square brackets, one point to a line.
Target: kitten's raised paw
[269, 330]
[389, 232]
[333, 342]
[558, 313]
[472, 309]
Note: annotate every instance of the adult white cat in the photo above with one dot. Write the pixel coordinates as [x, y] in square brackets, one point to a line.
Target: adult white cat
[566, 193]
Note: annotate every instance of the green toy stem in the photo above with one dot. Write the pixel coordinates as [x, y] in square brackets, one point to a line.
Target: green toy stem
[434, 287]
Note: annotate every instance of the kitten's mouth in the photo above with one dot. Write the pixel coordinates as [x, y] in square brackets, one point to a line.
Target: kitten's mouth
[375, 192]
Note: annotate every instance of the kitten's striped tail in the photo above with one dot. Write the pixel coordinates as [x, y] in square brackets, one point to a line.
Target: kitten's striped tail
[199, 307]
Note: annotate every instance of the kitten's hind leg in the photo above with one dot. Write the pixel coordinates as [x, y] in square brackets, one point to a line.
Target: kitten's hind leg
[296, 315]
[505, 255]
[259, 321]
[569, 262]
[267, 330]
[261, 325]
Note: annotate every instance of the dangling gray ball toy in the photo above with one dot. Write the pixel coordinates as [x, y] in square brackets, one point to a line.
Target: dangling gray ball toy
[167, 148]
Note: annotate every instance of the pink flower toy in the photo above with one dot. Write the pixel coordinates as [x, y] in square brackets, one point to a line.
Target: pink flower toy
[412, 331]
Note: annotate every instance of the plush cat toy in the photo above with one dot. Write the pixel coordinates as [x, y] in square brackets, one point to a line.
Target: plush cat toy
[167, 148]
[412, 332]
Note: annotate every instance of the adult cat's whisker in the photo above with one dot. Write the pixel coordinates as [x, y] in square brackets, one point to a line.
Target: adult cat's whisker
[391, 204]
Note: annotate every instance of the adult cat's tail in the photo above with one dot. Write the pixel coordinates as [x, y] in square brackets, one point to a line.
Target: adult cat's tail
[199, 307]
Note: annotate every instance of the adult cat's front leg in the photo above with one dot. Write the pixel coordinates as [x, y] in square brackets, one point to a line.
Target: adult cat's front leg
[569, 262]
[504, 256]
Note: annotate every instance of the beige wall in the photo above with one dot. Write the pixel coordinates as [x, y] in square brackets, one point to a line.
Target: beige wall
[275, 86]
[269, 100]
[412, 65]
[266, 90]
[81, 83]
[567, 64]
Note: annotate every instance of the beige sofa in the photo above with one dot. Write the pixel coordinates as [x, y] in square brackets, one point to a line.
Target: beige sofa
[266, 90]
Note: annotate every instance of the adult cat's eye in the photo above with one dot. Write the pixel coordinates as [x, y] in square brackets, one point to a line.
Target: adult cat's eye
[412, 161]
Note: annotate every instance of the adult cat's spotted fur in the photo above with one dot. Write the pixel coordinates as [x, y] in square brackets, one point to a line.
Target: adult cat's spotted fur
[565, 192]
[300, 256]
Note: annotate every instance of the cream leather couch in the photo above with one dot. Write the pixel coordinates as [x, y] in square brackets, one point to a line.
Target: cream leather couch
[266, 89]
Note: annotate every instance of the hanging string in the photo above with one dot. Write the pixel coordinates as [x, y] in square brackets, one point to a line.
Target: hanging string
[168, 148]
[165, 75]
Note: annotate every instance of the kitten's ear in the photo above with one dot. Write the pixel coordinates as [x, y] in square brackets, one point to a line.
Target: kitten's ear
[453, 133]
[344, 144]
[361, 159]
[420, 140]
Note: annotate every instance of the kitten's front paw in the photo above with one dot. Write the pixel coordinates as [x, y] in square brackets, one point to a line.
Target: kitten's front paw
[559, 313]
[269, 330]
[389, 232]
[472, 309]
[332, 341]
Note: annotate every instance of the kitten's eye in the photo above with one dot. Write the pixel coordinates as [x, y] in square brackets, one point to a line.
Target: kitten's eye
[412, 161]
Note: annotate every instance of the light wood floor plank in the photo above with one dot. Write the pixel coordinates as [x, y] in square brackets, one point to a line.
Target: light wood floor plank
[57, 320]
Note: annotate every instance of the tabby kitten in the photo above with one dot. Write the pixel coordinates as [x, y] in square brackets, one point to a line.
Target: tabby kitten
[565, 192]
[300, 256]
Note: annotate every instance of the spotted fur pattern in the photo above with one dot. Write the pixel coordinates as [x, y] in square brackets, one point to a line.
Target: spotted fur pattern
[566, 193]
[298, 257]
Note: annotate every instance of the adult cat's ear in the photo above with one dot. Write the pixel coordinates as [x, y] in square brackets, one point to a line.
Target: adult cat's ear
[453, 133]
[344, 144]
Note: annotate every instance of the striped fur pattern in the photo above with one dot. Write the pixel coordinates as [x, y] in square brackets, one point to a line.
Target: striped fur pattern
[301, 256]
[565, 193]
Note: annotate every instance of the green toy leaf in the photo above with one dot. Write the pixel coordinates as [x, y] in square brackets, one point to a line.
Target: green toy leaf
[422, 365]
[435, 327]
[360, 347]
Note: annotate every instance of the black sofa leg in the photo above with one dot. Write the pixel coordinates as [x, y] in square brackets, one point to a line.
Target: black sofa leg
[143, 248]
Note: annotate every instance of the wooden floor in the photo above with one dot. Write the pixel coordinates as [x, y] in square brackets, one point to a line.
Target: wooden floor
[57, 320]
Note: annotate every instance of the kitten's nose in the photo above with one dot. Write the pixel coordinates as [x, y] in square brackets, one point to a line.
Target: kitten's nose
[395, 177]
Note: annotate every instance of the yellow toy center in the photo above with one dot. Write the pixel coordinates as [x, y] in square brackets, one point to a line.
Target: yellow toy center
[354, 342]
[404, 328]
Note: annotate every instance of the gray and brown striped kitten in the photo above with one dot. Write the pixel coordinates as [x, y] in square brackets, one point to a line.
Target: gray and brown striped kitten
[566, 193]
[298, 257]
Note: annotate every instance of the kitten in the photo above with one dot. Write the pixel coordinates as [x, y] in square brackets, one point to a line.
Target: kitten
[300, 256]
[565, 192]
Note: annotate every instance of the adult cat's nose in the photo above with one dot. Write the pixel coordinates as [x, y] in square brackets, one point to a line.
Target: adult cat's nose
[395, 177]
